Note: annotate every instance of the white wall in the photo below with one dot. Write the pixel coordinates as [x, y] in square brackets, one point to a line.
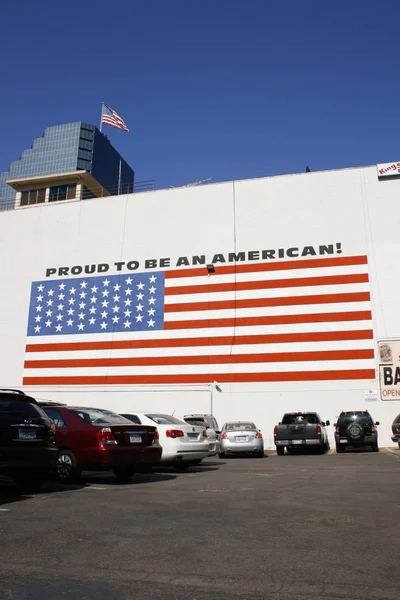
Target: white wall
[349, 206]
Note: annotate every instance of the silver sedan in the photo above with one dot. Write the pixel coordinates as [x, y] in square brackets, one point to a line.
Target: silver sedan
[241, 437]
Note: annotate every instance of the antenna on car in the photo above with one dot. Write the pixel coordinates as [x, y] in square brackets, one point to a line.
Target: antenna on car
[174, 412]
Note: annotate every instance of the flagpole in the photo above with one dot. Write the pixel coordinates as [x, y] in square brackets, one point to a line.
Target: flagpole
[119, 177]
[101, 117]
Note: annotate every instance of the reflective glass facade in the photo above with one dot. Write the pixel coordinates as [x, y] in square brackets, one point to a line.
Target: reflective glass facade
[67, 148]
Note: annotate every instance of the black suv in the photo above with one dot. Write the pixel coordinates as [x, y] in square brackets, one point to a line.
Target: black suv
[356, 428]
[27, 447]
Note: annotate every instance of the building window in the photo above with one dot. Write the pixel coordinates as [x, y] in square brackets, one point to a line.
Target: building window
[62, 192]
[33, 196]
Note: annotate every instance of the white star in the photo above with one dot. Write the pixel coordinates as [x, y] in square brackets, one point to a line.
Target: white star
[115, 309]
[70, 322]
[39, 298]
[127, 312]
[106, 283]
[139, 307]
[93, 299]
[128, 291]
[81, 326]
[128, 281]
[127, 324]
[50, 292]
[152, 289]
[62, 286]
[81, 316]
[116, 298]
[117, 287]
[153, 279]
[61, 296]
[103, 325]
[60, 306]
[92, 321]
[59, 317]
[49, 302]
[105, 293]
[49, 313]
[37, 329]
[152, 300]
[115, 319]
[38, 318]
[48, 323]
[139, 317]
[151, 312]
[40, 288]
[104, 314]
[82, 304]
[70, 311]
[59, 327]
[71, 301]
[140, 296]
[92, 310]
[151, 323]
[140, 286]
[128, 302]
[104, 303]
[83, 284]
[94, 289]
[39, 308]
[72, 290]
[82, 295]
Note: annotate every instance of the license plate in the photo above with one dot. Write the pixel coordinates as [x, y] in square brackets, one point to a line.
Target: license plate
[343, 441]
[241, 439]
[27, 434]
[193, 436]
[135, 439]
[298, 442]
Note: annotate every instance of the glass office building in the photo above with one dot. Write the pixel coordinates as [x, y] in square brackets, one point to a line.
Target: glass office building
[71, 161]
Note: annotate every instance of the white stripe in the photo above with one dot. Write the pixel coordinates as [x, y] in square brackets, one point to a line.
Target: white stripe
[334, 365]
[206, 350]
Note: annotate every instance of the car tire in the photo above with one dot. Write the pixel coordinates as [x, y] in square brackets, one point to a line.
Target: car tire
[375, 447]
[399, 444]
[194, 463]
[280, 450]
[124, 473]
[340, 449]
[67, 468]
[221, 455]
[182, 466]
[29, 483]
[260, 454]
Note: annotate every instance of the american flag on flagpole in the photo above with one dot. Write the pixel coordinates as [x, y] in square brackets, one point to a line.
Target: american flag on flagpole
[110, 117]
[301, 320]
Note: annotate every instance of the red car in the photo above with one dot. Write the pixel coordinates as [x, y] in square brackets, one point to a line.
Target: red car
[94, 439]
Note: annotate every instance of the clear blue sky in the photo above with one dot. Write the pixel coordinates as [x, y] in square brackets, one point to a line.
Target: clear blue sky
[226, 89]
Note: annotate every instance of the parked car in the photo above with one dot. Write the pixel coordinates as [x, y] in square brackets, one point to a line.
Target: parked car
[183, 444]
[396, 430]
[299, 429]
[27, 440]
[94, 439]
[241, 437]
[212, 429]
[355, 429]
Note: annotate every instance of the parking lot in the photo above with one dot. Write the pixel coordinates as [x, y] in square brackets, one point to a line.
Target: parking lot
[297, 526]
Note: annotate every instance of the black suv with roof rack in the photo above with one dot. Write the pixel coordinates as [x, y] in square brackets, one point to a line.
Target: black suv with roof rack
[27, 440]
[355, 429]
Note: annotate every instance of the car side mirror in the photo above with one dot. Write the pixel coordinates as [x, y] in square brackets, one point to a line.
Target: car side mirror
[217, 432]
[377, 423]
[327, 423]
[279, 423]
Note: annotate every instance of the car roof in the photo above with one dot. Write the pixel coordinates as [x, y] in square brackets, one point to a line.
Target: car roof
[198, 415]
[69, 407]
[354, 412]
[17, 395]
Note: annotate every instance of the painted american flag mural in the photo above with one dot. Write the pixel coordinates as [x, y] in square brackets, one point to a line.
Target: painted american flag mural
[301, 320]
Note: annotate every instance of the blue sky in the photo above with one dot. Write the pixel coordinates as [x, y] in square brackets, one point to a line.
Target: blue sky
[220, 89]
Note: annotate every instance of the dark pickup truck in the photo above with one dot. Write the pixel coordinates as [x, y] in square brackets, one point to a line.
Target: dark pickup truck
[299, 429]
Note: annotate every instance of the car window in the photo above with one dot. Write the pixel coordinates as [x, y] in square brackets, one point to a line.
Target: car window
[94, 416]
[362, 418]
[240, 426]
[198, 422]
[213, 424]
[21, 407]
[55, 415]
[132, 418]
[288, 419]
[165, 419]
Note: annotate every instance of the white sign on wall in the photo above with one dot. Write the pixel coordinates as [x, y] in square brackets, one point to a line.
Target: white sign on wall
[388, 169]
[389, 369]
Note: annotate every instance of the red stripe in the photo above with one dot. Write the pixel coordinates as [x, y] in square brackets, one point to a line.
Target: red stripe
[236, 286]
[204, 379]
[278, 338]
[288, 265]
[219, 359]
[261, 302]
[359, 315]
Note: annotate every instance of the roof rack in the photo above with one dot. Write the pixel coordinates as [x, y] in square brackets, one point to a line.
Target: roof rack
[50, 403]
[11, 391]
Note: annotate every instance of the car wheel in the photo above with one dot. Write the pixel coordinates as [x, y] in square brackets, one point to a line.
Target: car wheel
[375, 447]
[67, 469]
[260, 454]
[280, 450]
[399, 444]
[196, 462]
[221, 455]
[146, 469]
[182, 466]
[29, 483]
[339, 449]
[124, 473]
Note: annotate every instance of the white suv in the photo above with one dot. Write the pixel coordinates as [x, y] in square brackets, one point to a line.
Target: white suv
[212, 429]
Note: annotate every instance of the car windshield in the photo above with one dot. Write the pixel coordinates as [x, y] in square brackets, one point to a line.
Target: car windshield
[361, 418]
[95, 416]
[165, 420]
[240, 426]
[299, 418]
[199, 422]
[9, 404]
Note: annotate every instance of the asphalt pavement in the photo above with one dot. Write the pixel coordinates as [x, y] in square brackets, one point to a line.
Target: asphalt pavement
[279, 528]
